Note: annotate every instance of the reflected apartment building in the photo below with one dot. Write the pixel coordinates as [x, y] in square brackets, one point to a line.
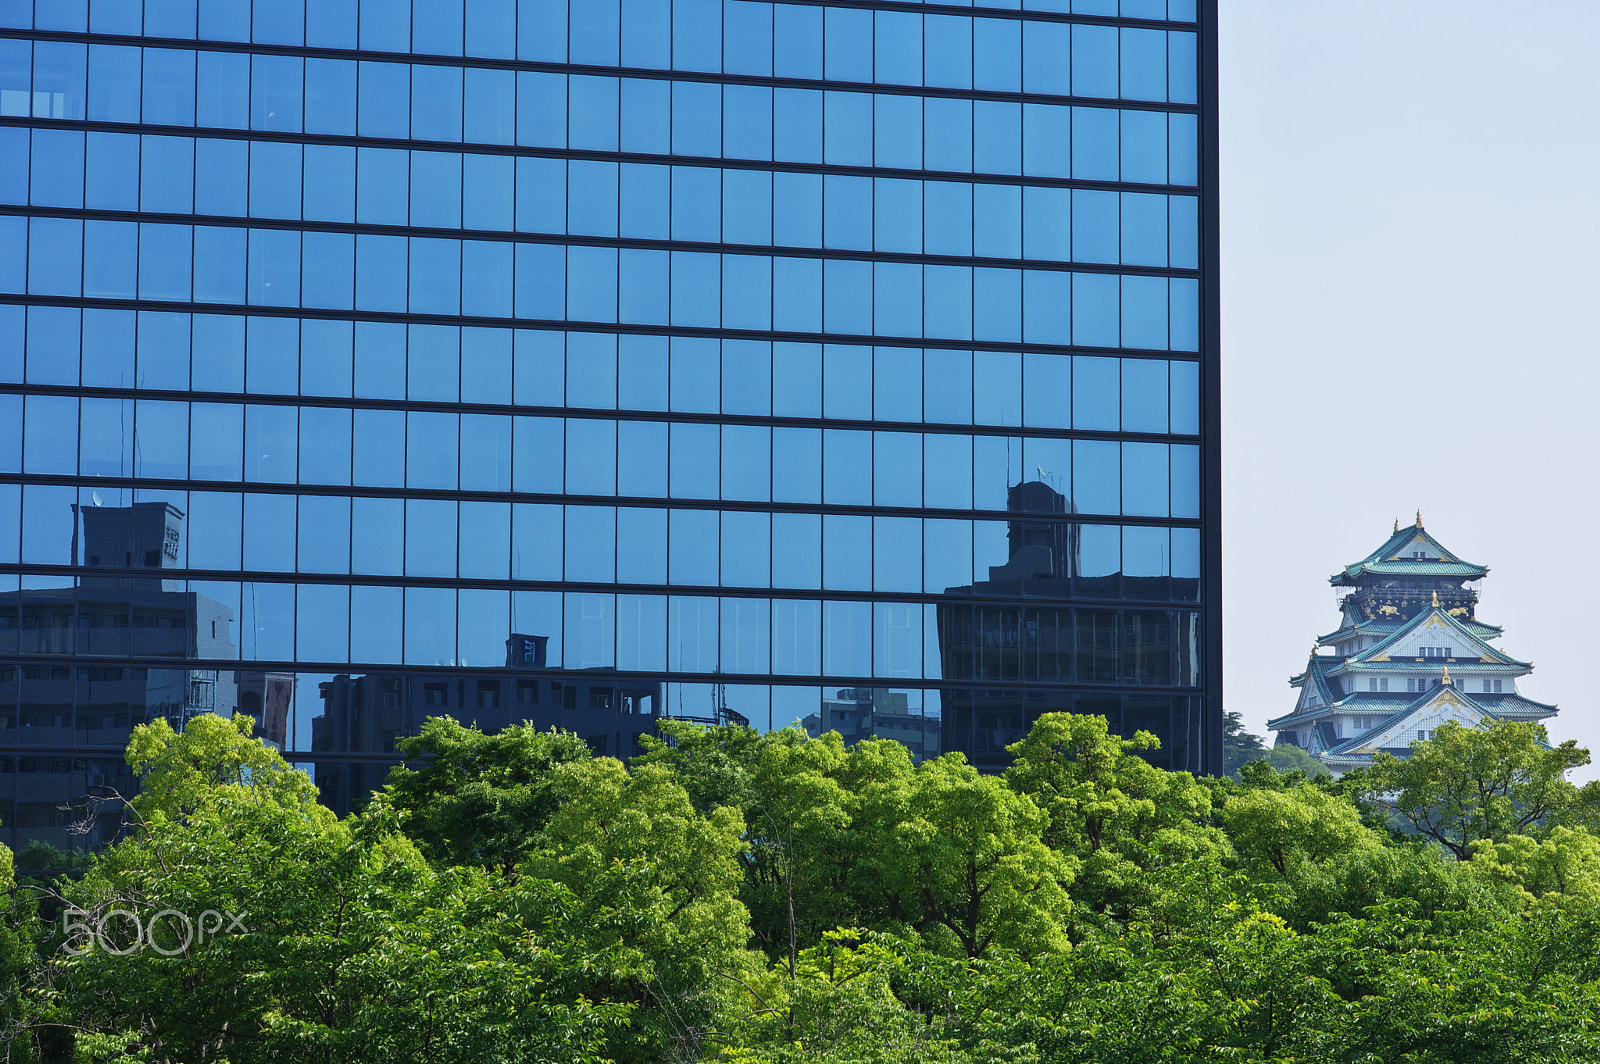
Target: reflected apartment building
[836, 365]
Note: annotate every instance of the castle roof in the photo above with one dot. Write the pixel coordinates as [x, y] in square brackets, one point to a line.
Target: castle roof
[1435, 617]
[1387, 627]
[1398, 557]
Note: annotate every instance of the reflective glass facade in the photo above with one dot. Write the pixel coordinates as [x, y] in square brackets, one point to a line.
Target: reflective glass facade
[589, 362]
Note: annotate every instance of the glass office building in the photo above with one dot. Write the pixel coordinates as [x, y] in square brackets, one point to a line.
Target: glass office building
[588, 362]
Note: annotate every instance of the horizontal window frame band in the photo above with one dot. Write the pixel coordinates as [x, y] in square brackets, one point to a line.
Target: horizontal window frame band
[580, 413]
[644, 502]
[590, 155]
[453, 583]
[478, 672]
[565, 325]
[618, 243]
[538, 66]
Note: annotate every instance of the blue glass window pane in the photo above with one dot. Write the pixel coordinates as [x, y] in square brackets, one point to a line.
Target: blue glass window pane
[274, 278]
[1184, 231]
[594, 37]
[541, 109]
[1095, 310]
[997, 220]
[166, 175]
[274, 180]
[797, 125]
[997, 139]
[491, 105]
[796, 465]
[165, 267]
[1046, 140]
[383, 100]
[947, 219]
[1182, 77]
[330, 183]
[1184, 294]
[1048, 225]
[1144, 479]
[55, 256]
[382, 183]
[541, 194]
[491, 28]
[169, 18]
[1094, 143]
[747, 38]
[797, 215]
[746, 629]
[113, 83]
[847, 297]
[847, 128]
[276, 84]
[1096, 476]
[746, 377]
[381, 273]
[111, 177]
[997, 389]
[646, 34]
[847, 638]
[897, 50]
[642, 459]
[897, 131]
[747, 122]
[221, 176]
[696, 119]
[222, 95]
[386, 26]
[646, 115]
[593, 118]
[54, 335]
[324, 445]
[796, 628]
[1144, 146]
[947, 302]
[797, 295]
[1144, 395]
[591, 370]
[897, 475]
[996, 54]
[1094, 226]
[692, 547]
[1047, 299]
[1046, 58]
[746, 206]
[486, 271]
[644, 280]
[60, 72]
[696, 203]
[747, 463]
[947, 135]
[330, 92]
[695, 289]
[697, 35]
[847, 39]
[216, 442]
[1144, 312]
[107, 348]
[747, 292]
[273, 355]
[1185, 481]
[847, 556]
[1185, 385]
[847, 212]
[1183, 149]
[489, 192]
[436, 103]
[591, 198]
[219, 264]
[591, 457]
[437, 26]
[997, 305]
[1047, 391]
[642, 559]
[169, 87]
[221, 337]
[1144, 64]
[847, 381]
[57, 168]
[897, 299]
[1094, 61]
[797, 41]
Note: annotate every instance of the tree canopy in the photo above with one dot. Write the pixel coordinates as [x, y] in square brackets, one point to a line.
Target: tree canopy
[782, 899]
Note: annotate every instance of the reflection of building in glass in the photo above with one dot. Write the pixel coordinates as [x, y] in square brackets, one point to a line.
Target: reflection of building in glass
[366, 714]
[869, 713]
[1409, 654]
[709, 340]
[1038, 628]
[67, 714]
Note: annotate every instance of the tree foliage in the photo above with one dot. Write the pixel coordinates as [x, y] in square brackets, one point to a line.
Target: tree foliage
[781, 899]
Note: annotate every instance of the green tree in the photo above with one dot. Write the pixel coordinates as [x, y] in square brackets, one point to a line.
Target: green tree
[1469, 785]
[477, 799]
[1112, 809]
[1239, 747]
[1278, 829]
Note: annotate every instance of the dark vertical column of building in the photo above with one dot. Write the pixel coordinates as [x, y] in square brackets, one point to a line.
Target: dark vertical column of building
[1211, 390]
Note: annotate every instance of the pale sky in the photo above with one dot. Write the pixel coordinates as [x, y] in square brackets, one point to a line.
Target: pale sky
[1410, 219]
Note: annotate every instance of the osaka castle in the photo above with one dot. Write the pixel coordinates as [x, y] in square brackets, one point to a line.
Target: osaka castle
[1408, 655]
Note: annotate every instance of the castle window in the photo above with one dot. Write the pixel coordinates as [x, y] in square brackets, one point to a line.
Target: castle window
[1422, 733]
